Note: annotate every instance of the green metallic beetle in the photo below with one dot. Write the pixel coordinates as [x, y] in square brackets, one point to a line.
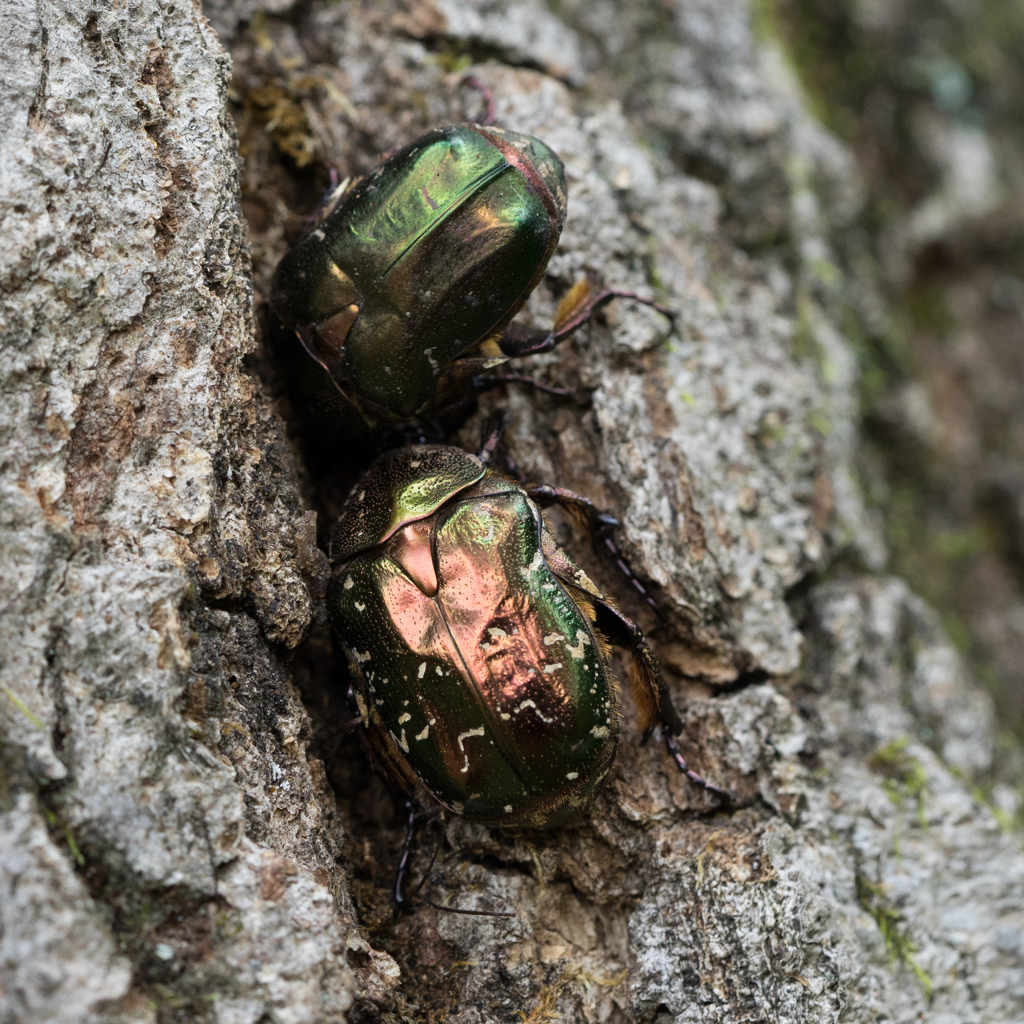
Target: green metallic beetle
[402, 295]
[477, 646]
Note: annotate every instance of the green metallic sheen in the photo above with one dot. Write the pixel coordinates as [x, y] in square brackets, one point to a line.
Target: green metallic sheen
[483, 669]
[401, 487]
[430, 254]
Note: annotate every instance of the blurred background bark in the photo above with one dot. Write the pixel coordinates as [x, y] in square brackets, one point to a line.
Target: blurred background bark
[819, 472]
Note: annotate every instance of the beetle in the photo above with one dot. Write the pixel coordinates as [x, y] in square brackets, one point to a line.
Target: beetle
[399, 302]
[478, 648]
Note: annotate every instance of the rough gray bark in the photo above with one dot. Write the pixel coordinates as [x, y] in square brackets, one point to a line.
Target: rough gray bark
[172, 847]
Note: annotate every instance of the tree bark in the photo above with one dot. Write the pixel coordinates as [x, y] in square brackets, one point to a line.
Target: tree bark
[183, 835]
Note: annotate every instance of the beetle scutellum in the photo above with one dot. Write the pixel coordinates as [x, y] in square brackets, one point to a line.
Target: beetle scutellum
[477, 646]
[402, 296]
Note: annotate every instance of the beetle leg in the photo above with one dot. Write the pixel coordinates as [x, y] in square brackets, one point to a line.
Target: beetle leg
[580, 303]
[488, 96]
[673, 751]
[650, 692]
[600, 524]
[490, 380]
[645, 679]
[403, 901]
[403, 862]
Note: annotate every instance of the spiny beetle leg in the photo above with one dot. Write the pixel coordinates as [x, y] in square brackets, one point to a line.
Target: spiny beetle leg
[492, 380]
[456, 411]
[673, 751]
[649, 690]
[599, 523]
[403, 901]
[651, 693]
[521, 341]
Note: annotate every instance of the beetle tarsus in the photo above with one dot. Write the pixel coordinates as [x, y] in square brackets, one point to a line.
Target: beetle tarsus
[491, 380]
[674, 752]
[470, 913]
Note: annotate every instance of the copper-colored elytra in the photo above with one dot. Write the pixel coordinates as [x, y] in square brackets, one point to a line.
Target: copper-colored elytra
[497, 632]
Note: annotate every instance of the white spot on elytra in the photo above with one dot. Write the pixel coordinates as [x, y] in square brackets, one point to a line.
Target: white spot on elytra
[404, 717]
[496, 631]
[508, 808]
[423, 735]
[465, 736]
[536, 711]
[423, 669]
[538, 561]
[438, 670]
[554, 667]
[600, 731]
[582, 640]
[403, 742]
[552, 638]
[572, 775]
[415, 464]
[361, 657]
[360, 607]
[349, 583]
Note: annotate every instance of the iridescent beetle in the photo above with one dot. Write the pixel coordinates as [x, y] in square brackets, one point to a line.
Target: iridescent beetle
[477, 646]
[401, 298]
